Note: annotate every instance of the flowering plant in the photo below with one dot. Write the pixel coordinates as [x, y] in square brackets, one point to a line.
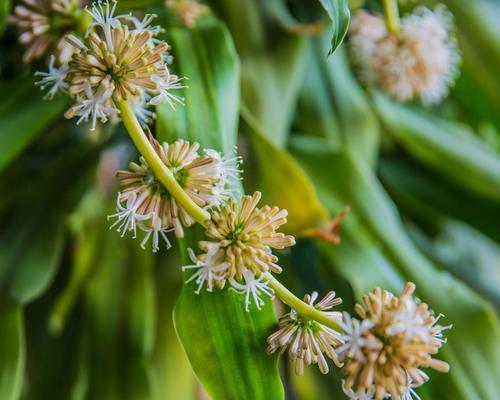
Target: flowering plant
[159, 94]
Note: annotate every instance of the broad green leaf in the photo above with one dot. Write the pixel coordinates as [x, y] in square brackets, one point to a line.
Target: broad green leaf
[283, 183]
[273, 62]
[431, 197]
[448, 147]
[12, 351]
[338, 11]
[229, 342]
[206, 57]
[225, 345]
[23, 119]
[30, 257]
[476, 327]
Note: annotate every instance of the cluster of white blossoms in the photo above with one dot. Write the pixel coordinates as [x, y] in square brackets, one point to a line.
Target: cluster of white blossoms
[419, 61]
[118, 59]
[385, 351]
[145, 204]
[240, 237]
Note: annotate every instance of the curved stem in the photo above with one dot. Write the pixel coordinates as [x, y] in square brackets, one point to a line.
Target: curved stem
[391, 15]
[300, 306]
[162, 173]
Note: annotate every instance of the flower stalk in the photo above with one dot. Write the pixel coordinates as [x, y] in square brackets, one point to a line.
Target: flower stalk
[162, 173]
[391, 12]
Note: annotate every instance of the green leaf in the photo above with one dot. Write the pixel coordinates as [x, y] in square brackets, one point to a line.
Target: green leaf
[12, 352]
[476, 327]
[338, 11]
[4, 11]
[283, 183]
[225, 345]
[22, 119]
[448, 147]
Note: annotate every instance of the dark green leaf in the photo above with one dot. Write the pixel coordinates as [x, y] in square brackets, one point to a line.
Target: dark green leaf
[338, 11]
[12, 352]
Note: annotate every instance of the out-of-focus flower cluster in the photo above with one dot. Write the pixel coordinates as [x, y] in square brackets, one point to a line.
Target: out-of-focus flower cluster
[419, 61]
[384, 352]
[43, 24]
[145, 204]
[118, 59]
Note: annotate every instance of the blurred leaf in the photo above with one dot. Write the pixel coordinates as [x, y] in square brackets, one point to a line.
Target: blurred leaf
[338, 11]
[12, 352]
[4, 11]
[283, 183]
[29, 259]
[22, 119]
[448, 147]
[476, 327]
[226, 345]
[431, 197]
[206, 56]
[273, 62]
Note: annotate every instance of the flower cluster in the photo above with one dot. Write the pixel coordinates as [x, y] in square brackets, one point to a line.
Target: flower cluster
[418, 61]
[42, 25]
[240, 237]
[385, 351]
[306, 339]
[145, 204]
[118, 59]
[187, 10]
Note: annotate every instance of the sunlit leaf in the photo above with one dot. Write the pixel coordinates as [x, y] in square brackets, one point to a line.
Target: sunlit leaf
[12, 352]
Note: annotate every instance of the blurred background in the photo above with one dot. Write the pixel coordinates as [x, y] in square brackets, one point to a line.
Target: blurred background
[86, 314]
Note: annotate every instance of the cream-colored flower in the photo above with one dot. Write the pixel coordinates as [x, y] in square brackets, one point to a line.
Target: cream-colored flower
[421, 60]
[146, 204]
[385, 352]
[187, 10]
[42, 25]
[306, 340]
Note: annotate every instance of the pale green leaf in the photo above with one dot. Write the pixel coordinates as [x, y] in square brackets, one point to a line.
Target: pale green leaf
[338, 11]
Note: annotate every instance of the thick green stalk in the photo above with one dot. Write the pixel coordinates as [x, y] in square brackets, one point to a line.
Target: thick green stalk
[300, 306]
[162, 173]
[391, 15]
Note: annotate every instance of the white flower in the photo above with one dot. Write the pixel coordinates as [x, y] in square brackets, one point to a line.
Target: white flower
[140, 107]
[155, 230]
[53, 78]
[128, 215]
[93, 106]
[352, 338]
[144, 24]
[208, 272]
[361, 393]
[410, 320]
[165, 85]
[410, 394]
[103, 15]
[252, 286]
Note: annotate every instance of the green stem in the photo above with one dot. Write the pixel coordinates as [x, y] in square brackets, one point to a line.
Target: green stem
[162, 173]
[391, 15]
[300, 306]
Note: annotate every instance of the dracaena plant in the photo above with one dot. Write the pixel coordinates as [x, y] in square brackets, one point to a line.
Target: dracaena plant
[114, 68]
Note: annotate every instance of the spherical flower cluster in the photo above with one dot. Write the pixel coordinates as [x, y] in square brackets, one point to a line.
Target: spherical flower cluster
[42, 25]
[306, 340]
[240, 237]
[145, 204]
[118, 59]
[385, 351]
[421, 60]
